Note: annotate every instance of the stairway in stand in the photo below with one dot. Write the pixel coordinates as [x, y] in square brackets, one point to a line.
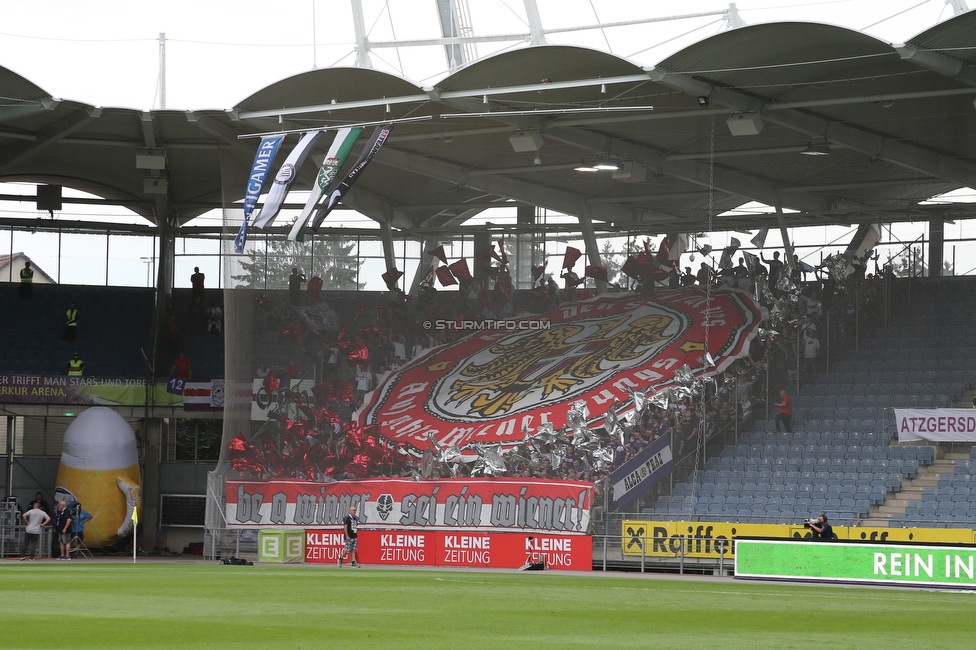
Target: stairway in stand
[928, 476]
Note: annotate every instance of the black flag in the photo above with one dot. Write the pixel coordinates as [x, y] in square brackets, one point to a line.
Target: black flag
[376, 141]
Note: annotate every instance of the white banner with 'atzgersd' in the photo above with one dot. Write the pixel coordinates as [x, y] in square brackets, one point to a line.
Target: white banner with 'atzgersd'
[936, 425]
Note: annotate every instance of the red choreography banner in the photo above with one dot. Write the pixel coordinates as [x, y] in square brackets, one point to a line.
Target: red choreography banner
[495, 384]
[454, 548]
[489, 504]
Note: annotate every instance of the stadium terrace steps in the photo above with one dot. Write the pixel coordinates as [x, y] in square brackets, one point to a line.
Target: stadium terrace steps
[842, 435]
[942, 497]
[911, 490]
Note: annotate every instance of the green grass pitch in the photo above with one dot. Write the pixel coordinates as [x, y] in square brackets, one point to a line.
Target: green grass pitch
[54, 605]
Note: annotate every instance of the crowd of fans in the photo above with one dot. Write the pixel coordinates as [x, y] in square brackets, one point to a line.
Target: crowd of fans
[810, 309]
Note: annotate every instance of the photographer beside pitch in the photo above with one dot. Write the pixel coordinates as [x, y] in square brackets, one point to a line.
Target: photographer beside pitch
[822, 530]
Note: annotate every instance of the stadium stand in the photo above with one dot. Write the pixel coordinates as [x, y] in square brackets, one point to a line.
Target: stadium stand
[113, 330]
[840, 458]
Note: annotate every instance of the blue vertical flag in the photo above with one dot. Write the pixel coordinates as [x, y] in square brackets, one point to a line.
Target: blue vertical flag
[284, 179]
[263, 160]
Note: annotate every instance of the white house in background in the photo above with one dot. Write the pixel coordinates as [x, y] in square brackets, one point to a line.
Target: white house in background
[10, 266]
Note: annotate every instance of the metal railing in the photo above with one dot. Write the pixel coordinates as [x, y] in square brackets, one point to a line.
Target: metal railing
[608, 554]
[12, 538]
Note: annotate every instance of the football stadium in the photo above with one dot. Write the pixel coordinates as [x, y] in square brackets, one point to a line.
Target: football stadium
[572, 323]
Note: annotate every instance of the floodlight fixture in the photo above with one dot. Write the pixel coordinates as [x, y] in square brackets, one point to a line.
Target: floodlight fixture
[745, 124]
[816, 148]
[526, 142]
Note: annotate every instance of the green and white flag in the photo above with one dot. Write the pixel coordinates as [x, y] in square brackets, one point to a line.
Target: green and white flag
[338, 152]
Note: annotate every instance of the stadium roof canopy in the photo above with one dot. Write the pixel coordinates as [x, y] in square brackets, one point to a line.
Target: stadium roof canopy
[895, 125]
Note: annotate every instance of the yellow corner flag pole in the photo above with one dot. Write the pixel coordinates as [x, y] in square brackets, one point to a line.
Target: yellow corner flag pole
[135, 530]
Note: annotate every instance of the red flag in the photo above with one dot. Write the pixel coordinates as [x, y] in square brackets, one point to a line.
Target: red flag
[631, 268]
[664, 252]
[445, 276]
[344, 339]
[596, 272]
[370, 332]
[460, 269]
[491, 251]
[570, 257]
[439, 254]
[359, 466]
[650, 270]
[293, 332]
[391, 278]
[314, 288]
[537, 271]
[239, 444]
[271, 383]
[358, 352]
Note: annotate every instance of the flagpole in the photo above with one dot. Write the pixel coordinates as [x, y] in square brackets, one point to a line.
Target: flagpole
[135, 530]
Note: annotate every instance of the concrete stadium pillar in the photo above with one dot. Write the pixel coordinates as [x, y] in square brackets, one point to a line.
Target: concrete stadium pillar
[482, 240]
[152, 445]
[592, 249]
[164, 289]
[425, 263]
[389, 252]
[936, 245]
[526, 253]
[787, 244]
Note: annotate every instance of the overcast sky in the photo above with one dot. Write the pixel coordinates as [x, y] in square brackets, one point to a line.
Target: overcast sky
[106, 53]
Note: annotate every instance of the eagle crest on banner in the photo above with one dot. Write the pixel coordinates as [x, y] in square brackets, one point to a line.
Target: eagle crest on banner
[555, 362]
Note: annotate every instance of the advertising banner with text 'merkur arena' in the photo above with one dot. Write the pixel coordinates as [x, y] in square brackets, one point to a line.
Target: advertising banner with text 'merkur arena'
[495, 384]
[490, 504]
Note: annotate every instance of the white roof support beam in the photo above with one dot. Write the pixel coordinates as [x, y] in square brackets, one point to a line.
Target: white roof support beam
[8, 113]
[698, 173]
[910, 156]
[537, 35]
[148, 131]
[52, 134]
[362, 42]
[450, 221]
[592, 248]
[952, 68]
[377, 208]
[535, 194]
[212, 127]
[389, 254]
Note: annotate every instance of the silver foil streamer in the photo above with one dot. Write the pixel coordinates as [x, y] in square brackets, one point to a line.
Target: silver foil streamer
[684, 376]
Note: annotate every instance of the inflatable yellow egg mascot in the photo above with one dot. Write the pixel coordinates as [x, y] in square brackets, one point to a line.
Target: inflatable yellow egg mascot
[100, 470]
